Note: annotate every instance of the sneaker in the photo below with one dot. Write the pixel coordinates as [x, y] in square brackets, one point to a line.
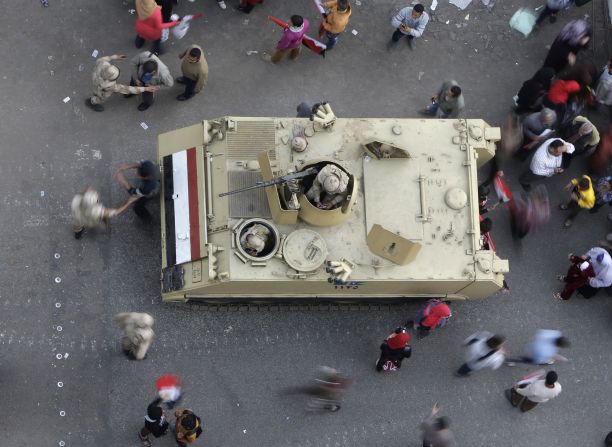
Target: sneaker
[412, 43]
[78, 234]
[221, 4]
[95, 107]
[142, 106]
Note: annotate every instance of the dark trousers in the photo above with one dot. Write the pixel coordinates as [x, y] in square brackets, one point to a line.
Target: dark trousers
[528, 177]
[332, 39]
[155, 48]
[141, 210]
[545, 13]
[397, 35]
[147, 97]
[574, 209]
[588, 291]
[464, 370]
[522, 402]
[189, 87]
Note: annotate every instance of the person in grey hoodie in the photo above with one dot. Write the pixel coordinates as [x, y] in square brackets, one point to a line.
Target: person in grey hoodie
[446, 102]
[410, 22]
[148, 69]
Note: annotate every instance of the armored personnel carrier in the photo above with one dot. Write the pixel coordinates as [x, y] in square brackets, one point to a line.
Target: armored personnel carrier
[277, 209]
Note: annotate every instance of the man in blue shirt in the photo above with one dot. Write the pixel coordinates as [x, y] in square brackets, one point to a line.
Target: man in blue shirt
[409, 22]
[543, 349]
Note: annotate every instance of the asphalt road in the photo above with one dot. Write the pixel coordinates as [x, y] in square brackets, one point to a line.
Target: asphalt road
[58, 295]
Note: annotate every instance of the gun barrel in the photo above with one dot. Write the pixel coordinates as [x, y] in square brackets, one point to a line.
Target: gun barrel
[274, 181]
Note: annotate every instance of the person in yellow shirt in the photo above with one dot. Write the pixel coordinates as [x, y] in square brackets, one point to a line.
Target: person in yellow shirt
[582, 198]
[335, 21]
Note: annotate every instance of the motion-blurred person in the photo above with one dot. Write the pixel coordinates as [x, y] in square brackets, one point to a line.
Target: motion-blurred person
[393, 350]
[155, 423]
[581, 198]
[447, 102]
[188, 427]
[530, 96]
[574, 37]
[138, 333]
[602, 264]
[483, 350]
[435, 314]
[600, 160]
[148, 69]
[147, 185]
[105, 83]
[435, 430]
[603, 193]
[195, 72]
[551, 8]
[528, 212]
[169, 389]
[511, 140]
[537, 127]
[411, 22]
[89, 213]
[582, 134]
[546, 162]
[527, 394]
[543, 349]
[561, 98]
[335, 21]
[603, 92]
[579, 273]
[149, 24]
[326, 394]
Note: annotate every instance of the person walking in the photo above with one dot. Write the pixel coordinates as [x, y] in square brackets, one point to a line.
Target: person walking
[484, 350]
[602, 265]
[546, 162]
[529, 97]
[573, 38]
[195, 72]
[105, 83]
[582, 198]
[537, 127]
[411, 22]
[527, 394]
[543, 349]
[435, 430]
[580, 272]
[435, 314]
[291, 41]
[148, 69]
[335, 21]
[447, 102]
[603, 92]
[138, 333]
[188, 427]
[155, 423]
[89, 213]
[393, 350]
[582, 133]
[149, 24]
[147, 186]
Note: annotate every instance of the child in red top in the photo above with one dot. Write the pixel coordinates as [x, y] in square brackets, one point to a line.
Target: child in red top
[435, 314]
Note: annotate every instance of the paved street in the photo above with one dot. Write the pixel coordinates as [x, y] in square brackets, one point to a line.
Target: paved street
[58, 295]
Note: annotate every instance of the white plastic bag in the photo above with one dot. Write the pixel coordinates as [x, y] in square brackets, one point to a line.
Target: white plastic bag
[181, 29]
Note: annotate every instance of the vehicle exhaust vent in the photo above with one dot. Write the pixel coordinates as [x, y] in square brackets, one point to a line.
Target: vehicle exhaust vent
[250, 138]
[252, 203]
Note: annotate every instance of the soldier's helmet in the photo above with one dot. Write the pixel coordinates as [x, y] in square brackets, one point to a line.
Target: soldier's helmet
[331, 183]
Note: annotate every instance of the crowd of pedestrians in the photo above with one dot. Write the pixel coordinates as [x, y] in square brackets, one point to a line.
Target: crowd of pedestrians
[550, 118]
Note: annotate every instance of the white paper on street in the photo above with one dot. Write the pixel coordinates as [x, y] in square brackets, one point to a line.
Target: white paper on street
[144, 125]
[354, 32]
[66, 99]
[94, 53]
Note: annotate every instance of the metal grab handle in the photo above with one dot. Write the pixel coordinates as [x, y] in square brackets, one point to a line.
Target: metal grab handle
[423, 215]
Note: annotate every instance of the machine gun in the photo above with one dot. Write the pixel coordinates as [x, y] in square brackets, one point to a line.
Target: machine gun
[288, 178]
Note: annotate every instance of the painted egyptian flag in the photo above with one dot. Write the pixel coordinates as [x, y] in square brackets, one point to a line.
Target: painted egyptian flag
[182, 208]
[312, 44]
[501, 189]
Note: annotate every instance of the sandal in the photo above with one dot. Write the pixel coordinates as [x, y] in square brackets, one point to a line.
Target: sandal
[557, 296]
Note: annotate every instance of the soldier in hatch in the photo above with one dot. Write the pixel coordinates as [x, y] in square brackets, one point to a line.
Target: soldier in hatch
[254, 239]
[332, 183]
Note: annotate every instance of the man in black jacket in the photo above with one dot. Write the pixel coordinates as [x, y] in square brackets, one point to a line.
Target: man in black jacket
[393, 350]
[155, 423]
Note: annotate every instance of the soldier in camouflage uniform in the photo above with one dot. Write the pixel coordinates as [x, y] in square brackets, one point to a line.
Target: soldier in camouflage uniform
[332, 182]
[138, 333]
[105, 77]
[88, 212]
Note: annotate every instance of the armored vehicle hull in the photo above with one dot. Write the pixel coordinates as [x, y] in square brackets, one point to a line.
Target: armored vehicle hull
[401, 221]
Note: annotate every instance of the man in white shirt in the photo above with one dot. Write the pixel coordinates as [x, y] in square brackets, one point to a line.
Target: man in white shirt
[546, 162]
[484, 350]
[526, 395]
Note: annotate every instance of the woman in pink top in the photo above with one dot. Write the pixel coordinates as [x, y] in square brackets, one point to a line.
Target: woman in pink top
[149, 24]
[292, 39]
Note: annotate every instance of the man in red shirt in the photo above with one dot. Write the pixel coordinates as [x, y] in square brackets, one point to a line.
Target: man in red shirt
[435, 314]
